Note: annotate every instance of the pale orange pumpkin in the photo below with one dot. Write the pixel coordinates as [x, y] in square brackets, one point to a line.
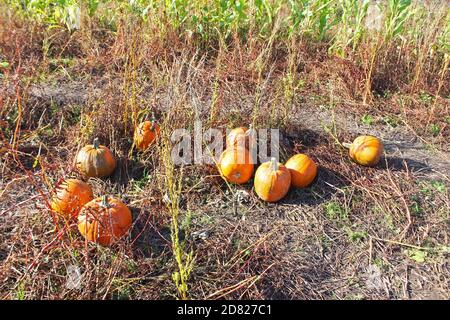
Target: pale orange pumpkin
[146, 134]
[71, 195]
[303, 170]
[236, 165]
[240, 137]
[104, 220]
[95, 160]
[272, 181]
[365, 150]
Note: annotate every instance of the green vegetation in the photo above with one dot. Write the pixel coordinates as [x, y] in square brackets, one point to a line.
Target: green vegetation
[345, 23]
[367, 119]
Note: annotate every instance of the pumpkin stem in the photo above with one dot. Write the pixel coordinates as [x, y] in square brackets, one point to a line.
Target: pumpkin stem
[346, 145]
[274, 163]
[105, 203]
[96, 143]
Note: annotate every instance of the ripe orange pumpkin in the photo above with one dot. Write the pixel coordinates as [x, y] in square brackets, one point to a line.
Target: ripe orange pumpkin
[95, 160]
[272, 181]
[71, 195]
[104, 220]
[365, 150]
[303, 170]
[239, 137]
[145, 134]
[236, 165]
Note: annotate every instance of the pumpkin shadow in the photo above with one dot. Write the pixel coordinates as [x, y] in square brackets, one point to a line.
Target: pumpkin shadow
[326, 184]
[402, 164]
[127, 170]
[148, 235]
[27, 156]
[293, 137]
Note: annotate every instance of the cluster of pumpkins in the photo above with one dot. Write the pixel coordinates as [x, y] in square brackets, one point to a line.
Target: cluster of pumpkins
[105, 219]
[273, 179]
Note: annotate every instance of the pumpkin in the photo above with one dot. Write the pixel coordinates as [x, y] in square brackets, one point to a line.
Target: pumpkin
[95, 160]
[145, 134]
[303, 170]
[239, 137]
[365, 150]
[272, 181]
[236, 165]
[104, 220]
[71, 195]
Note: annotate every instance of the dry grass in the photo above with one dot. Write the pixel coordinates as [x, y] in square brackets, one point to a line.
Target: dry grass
[357, 233]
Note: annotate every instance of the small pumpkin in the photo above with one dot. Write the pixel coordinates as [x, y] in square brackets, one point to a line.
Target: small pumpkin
[365, 150]
[236, 165]
[104, 220]
[240, 137]
[303, 170]
[272, 181]
[95, 160]
[71, 195]
[146, 133]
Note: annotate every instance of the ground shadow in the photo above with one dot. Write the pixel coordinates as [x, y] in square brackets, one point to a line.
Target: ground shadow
[327, 183]
[148, 235]
[294, 138]
[3, 254]
[402, 164]
[27, 156]
[129, 169]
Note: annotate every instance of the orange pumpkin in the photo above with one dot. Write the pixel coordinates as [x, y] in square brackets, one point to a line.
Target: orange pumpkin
[71, 195]
[95, 160]
[236, 165]
[303, 170]
[365, 150]
[239, 137]
[104, 220]
[272, 181]
[145, 134]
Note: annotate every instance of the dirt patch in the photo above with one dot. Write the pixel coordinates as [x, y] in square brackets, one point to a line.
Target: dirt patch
[63, 94]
